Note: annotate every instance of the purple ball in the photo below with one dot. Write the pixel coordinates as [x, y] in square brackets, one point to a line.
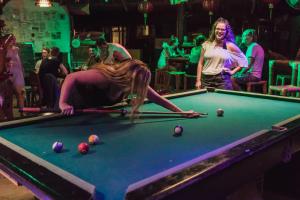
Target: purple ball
[57, 147]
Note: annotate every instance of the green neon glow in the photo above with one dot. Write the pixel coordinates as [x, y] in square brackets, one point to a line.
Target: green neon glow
[175, 2]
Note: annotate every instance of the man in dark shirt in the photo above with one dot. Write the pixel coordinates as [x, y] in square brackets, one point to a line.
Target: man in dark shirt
[48, 74]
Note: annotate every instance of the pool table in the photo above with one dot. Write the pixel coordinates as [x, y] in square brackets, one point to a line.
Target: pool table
[141, 159]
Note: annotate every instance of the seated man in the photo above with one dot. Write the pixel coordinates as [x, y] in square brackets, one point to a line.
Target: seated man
[93, 56]
[255, 55]
[111, 53]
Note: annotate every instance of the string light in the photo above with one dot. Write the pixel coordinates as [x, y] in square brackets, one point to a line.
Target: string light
[43, 3]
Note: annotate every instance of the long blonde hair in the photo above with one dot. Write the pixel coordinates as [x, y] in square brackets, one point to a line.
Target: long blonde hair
[133, 76]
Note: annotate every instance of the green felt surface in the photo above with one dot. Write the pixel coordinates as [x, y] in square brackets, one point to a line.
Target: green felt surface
[130, 152]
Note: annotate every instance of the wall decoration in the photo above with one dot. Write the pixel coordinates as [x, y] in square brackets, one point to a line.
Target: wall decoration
[43, 27]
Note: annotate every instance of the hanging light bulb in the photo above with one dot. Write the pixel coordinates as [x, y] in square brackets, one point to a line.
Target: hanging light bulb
[43, 3]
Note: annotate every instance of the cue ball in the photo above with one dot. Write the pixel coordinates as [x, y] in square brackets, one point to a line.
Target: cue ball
[178, 131]
[83, 148]
[220, 112]
[124, 112]
[94, 139]
[57, 147]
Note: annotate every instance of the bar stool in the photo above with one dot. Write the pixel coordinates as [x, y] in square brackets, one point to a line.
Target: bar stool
[292, 88]
[289, 67]
[178, 75]
[162, 81]
[186, 78]
[36, 92]
[281, 79]
[282, 70]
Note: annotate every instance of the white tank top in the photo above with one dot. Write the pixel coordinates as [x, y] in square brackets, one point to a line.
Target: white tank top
[216, 59]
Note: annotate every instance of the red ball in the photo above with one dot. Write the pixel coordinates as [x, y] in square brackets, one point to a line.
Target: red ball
[83, 148]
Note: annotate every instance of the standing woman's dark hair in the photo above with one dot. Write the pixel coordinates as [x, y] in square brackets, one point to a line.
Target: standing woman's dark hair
[229, 37]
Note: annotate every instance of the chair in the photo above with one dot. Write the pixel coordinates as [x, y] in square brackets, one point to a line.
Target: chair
[283, 68]
[178, 75]
[186, 78]
[36, 93]
[281, 79]
[251, 86]
[294, 87]
[162, 81]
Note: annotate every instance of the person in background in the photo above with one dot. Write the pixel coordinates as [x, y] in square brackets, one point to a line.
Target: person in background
[6, 92]
[49, 72]
[164, 55]
[220, 58]
[45, 54]
[170, 49]
[195, 55]
[110, 84]
[255, 55]
[16, 70]
[240, 44]
[93, 56]
[111, 53]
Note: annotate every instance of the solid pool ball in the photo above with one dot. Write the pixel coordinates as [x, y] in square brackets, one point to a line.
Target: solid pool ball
[123, 112]
[178, 131]
[83, 148]
[94, 139]
[220, 112]
[57, 147]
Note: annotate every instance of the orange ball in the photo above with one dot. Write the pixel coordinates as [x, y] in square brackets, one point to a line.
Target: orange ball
[94, 139]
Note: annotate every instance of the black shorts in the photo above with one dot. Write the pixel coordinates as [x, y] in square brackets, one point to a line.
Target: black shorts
[220, 81]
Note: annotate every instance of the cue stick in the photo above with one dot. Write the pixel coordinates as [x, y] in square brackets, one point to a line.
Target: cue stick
[94, 110]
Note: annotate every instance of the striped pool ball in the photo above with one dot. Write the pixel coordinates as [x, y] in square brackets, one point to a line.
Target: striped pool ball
[94, 139]
[57, 147]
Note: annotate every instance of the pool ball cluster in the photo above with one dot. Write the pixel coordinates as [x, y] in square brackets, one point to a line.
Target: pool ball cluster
[82, 147]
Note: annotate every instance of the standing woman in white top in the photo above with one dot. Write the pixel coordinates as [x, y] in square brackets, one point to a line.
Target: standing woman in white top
[220, 58]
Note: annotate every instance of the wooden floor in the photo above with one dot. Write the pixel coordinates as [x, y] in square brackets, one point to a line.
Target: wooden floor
[9, 191]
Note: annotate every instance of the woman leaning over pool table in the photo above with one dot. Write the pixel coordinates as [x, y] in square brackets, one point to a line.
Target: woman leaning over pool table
[105, 85]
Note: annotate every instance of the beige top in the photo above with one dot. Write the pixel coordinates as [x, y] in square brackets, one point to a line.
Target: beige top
[216, 59]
